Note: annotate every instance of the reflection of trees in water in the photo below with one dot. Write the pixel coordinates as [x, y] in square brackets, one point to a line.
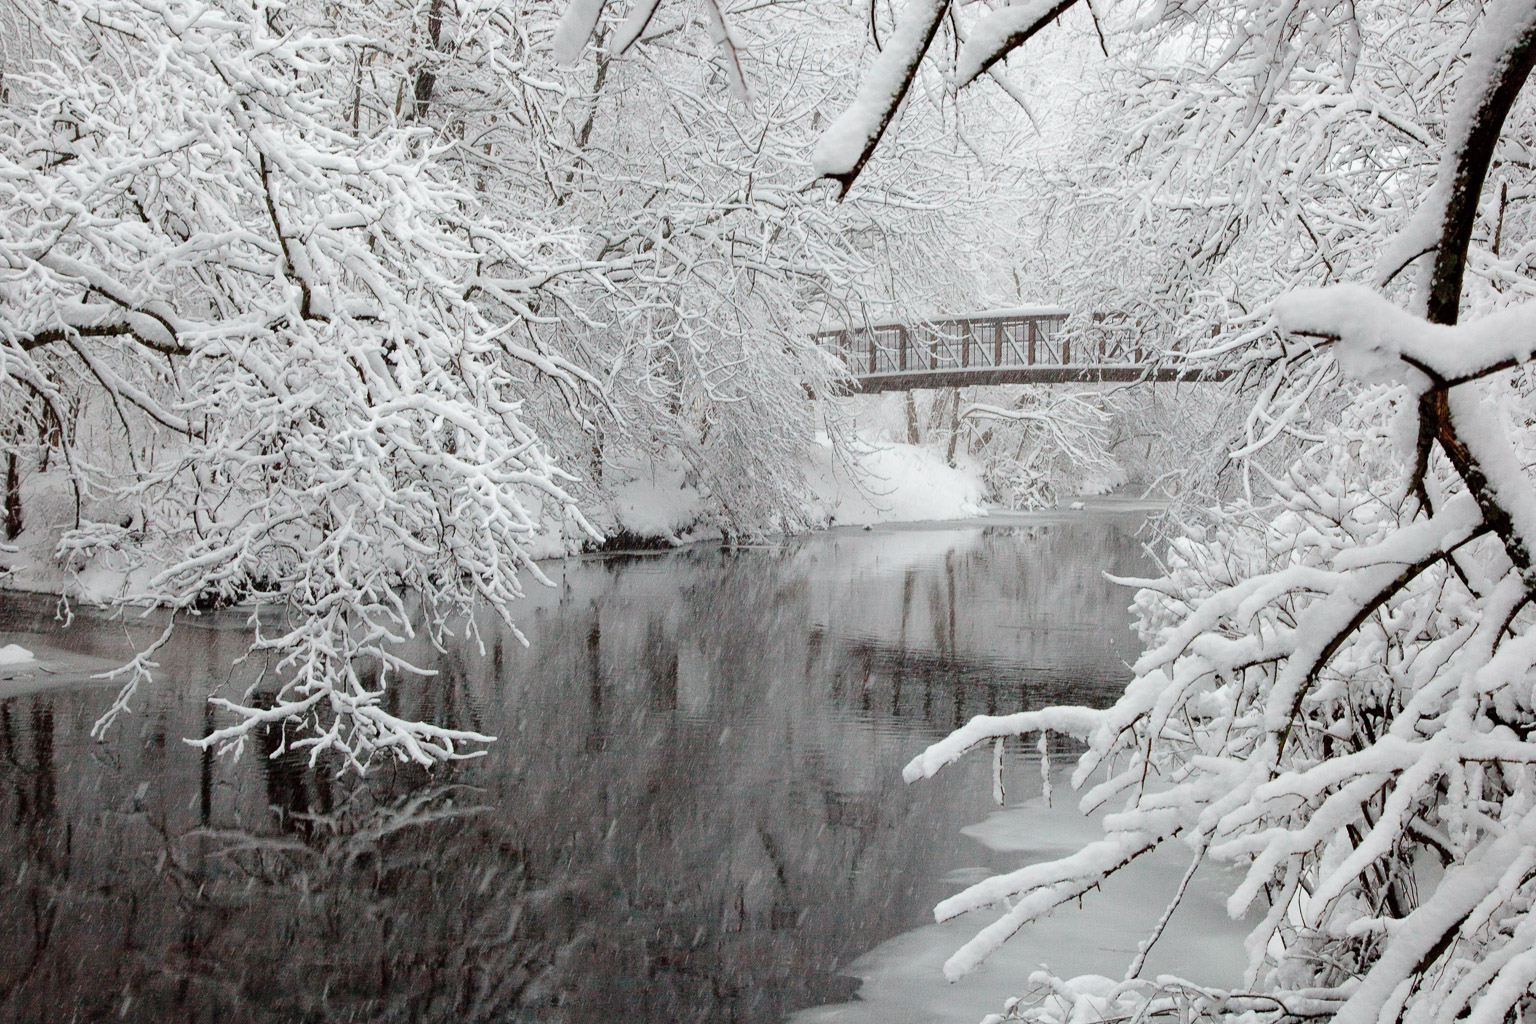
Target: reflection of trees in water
[711, 906]
[368, 913]
[694, 813]
[1033, 597]
[30, 786]
[1008, 619]
[933, 692]
[382, 907]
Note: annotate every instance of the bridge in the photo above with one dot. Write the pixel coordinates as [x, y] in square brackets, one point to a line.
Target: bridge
[1026, 345]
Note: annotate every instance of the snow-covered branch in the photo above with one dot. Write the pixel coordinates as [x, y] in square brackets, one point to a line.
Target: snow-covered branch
[338, 424]
[1334, 695]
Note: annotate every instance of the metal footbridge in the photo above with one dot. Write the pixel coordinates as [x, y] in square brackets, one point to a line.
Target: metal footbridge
[1026, 345]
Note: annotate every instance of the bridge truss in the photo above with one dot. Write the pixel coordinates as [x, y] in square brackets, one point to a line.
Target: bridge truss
[1022, 346]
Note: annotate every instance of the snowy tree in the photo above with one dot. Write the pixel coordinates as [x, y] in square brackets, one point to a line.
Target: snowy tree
[1335, 693]
[353, 311]
[312, 347]
[684, 204]
[1043, 444]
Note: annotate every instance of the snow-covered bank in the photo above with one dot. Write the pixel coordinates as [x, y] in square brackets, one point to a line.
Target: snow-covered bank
[865, 483]
[890, 482]
[15, 654]
[38, 666]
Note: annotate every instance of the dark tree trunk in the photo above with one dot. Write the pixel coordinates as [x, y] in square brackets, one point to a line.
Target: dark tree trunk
[12, 497]
[1472, 154]
[426, 81]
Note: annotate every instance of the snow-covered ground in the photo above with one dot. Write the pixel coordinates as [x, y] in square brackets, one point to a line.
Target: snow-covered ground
[870, 481]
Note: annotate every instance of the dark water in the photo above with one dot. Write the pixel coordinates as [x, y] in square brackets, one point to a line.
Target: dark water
[694, 811]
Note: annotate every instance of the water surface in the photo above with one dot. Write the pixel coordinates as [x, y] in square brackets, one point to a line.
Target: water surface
[694, 811]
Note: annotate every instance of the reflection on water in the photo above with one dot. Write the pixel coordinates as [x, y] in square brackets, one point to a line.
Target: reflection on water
[694, 811]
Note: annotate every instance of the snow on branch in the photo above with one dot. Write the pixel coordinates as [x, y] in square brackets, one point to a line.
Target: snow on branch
[847, 144]
[1374, 340]
[305, 334]
[1000, 32]
[1069, 721]
[576, 27]
[1045, 437]
[1334, 696]
[1503, 56]
[1325, 690]
[365, 343]
[633, 26]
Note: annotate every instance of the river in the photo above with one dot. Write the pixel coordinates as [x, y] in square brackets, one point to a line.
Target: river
[694, 810]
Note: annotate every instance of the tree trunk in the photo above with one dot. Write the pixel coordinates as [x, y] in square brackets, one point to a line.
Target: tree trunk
[12, 497]
[426, 80]
[1462, 174]
[954, 426]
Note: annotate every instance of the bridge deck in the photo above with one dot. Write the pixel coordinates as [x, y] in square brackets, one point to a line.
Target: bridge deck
[998, 347]
[870, 383]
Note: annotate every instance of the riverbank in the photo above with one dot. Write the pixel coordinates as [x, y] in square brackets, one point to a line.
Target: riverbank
[864, 483]
[100, 638]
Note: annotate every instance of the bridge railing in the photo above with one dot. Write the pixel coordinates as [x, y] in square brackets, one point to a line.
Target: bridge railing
[982, 341]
